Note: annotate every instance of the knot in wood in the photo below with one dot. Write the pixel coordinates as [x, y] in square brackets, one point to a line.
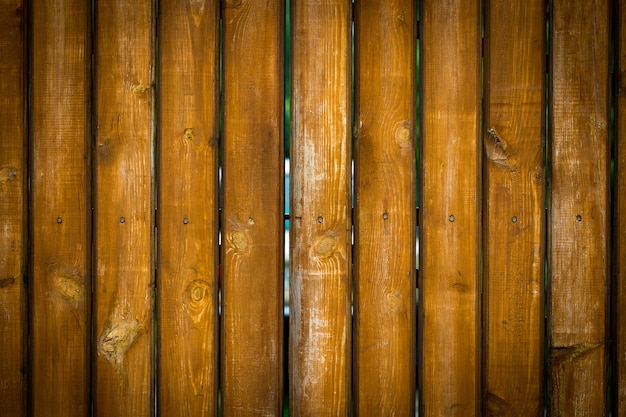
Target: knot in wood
[324, 246]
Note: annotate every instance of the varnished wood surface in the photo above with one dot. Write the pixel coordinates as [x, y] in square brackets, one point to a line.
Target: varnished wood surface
[514, 208]
[60, 202]
[124, 88]
[579, 212]
[450, 207]
[13, 209]
[384, 253]
[187, 214]
[252, 216]
[320, 302]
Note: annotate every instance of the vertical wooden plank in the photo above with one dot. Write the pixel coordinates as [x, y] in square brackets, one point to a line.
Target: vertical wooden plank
[514, 208]
[187, 215]
[449, 340]
[124, 208]
[13, 208]
[384, 254]
[253, 221]
[579, 211]
[320, 320]
[619, 222]
[60, 129]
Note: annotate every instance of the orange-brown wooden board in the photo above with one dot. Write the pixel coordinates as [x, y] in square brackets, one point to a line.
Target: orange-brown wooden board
[579, 211]
[60, 172]
[384, 253]
[187, 215]
[618, 314]
[449, 341]
[320, 270]
[13, 208]
[514, 207]
[252, 214]
[124, 208]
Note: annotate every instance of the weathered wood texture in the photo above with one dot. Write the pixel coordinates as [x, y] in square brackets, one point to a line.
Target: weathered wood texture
[124, 208]
[384, 254]
[514, 208]
[80, 207]
[60, 172]
[13, 208]
[619, 222]
[252, 215]
[187, 215]
[320, 270]
[450, 208]
[579, 211]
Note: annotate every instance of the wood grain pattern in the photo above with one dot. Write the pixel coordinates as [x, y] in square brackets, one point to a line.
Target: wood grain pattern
[618, 313]
[60, 129]
[450, 208]
[579, 211]
[187, 215]
[252, 215]
[124, 208]
[320, 320]
[384, 253]
[514, 208]
[13, 208]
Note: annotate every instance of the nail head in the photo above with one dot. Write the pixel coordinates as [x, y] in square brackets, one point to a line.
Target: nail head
[451, 218]
[59, 220]
[320, 219]
[514, 219]
[122, 220]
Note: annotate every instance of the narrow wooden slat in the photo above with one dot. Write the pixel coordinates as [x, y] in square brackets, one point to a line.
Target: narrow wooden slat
[450, 208]
[320, 320]
[579, 211]
[252, 215]
[60, 130]
[187, 215]
[384, 254]
[619, 222]
[514, 208]
[124, 208]
[13, 208]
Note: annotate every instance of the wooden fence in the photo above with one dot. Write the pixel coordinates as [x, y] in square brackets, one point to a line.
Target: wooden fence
[126, 290]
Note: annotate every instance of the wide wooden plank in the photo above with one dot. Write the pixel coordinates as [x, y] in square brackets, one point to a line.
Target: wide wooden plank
[187, 215]
[619, 223]
[449, 276]
[384, 253]
[579, 211]
[320, 286]
[13, 208]
[60, 168]
[514, 208]
[124, 208]
[252, 215]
